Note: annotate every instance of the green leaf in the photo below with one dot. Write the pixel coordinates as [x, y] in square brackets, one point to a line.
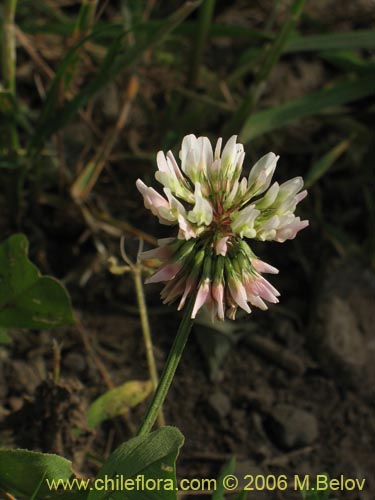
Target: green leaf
[228, 469]
[151, 457]
[349, 62]
[242, 496]
[313, 494]
[118, 401]
[4, 337]
[322, 166]
[27, 299]
[24, 472]
[359, 39]
[279, 116]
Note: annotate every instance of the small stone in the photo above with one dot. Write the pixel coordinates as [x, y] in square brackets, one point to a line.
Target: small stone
[74, 362]
[15, 404]
[220, 403]
[341, 333]
[291, 427]
[22, 376]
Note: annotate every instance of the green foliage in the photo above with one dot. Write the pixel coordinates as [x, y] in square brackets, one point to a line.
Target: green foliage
[118, 401]
[284, 114]
[153, 456]
[4, 337]
[322, 166]
[118, 57]
[28, 474]
[27, 299]
[24, 473]
[313, 494]
[228, 469]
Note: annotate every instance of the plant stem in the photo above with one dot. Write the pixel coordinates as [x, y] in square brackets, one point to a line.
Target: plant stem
[169, 369]
[137, 276]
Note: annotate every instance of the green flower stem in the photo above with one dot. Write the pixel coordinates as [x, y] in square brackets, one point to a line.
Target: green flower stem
[169, 369]
[137, 276]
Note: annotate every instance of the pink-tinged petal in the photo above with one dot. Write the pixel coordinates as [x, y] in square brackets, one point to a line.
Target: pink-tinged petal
[263, 267]
[202, 297]
[239, 295]
[162, 163]
[289, 232]
[161, 253]
[188, 288]
[166, 273]
[162, 242]
[152, 199]
[218, 295]
[175, 167]
[154, 202]
[301, 196]
[256, 301]
[261, 288]
[186, 231]
[171, 293]
[269, 287]
[222, 246]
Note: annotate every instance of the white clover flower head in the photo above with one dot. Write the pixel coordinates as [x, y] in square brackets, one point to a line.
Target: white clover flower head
[215, 210]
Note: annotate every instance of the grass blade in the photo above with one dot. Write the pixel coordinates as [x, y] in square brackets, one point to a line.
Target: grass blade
[116, 60]
[352, 40]
[272, 55]
[312, 104]
[205, 19]
[322, 166]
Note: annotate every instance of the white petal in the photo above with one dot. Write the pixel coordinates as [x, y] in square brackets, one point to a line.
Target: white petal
[261, 174]
[218, 148]
[205, 153]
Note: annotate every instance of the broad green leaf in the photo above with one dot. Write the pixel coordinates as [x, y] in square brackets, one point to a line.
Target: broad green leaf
[149, 457]
[118, 401]
[279, 116]
[228, 469]
[24, 472]
[322, 166]
[27, 299]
